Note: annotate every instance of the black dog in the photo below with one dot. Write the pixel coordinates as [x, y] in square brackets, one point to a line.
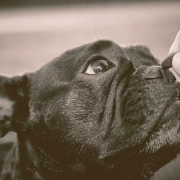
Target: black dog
[99, 111]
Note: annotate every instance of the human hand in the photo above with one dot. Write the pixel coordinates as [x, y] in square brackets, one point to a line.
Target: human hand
[175, 49]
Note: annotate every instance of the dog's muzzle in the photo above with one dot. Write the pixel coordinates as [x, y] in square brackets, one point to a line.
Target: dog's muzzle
[157, 72]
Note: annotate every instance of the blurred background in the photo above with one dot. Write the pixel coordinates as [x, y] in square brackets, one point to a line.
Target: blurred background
[33, 32]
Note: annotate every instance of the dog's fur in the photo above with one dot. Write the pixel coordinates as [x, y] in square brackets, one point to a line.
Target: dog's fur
[122, 123]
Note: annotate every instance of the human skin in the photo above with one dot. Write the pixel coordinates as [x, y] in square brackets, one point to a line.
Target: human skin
[175, 49]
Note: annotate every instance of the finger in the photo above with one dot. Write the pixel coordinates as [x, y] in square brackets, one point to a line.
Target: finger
[176, 63]
[176, 45]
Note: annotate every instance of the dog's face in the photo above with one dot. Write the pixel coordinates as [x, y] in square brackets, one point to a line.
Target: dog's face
[97, 111]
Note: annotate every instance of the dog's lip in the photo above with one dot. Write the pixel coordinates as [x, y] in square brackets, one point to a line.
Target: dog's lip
[165, 132]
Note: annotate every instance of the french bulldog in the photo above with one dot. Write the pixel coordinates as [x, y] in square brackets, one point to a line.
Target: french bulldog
[99, 111]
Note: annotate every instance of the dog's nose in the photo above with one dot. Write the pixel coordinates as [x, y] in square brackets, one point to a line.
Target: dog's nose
[156, 72]
[153, 72]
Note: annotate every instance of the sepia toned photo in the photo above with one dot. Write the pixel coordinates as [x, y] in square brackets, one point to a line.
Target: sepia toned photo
[89, 90]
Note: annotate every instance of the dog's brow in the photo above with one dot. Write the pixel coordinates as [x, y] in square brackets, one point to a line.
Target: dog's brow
[101, 45]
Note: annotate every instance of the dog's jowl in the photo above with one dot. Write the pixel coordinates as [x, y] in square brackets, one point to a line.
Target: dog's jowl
[99, 111]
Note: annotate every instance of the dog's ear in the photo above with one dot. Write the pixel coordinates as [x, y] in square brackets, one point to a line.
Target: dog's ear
[14, 95]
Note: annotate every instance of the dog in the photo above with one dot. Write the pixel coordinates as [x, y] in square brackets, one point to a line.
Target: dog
[98, 111]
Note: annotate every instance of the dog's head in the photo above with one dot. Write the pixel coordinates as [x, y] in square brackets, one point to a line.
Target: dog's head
[99, 110]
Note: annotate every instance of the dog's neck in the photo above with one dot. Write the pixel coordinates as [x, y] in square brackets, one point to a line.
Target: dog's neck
[26, 164]
[24, 161]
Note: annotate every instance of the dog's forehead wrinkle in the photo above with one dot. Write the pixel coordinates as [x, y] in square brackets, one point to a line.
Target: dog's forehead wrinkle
[107, 47]
[101, 44]
[140, 55]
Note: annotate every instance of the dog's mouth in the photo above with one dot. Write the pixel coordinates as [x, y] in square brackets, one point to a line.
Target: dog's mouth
[162, 143]
[167, 131]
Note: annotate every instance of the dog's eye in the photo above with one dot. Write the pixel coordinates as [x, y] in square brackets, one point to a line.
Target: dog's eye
[98, 66]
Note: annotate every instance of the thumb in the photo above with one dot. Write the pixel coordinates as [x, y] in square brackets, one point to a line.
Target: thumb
[176, 45]
[176, 63]
[175, 49]
[171, 60]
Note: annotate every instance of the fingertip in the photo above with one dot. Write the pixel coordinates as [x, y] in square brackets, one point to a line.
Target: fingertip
[176, 63]
[175, 47]
[178, 35]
